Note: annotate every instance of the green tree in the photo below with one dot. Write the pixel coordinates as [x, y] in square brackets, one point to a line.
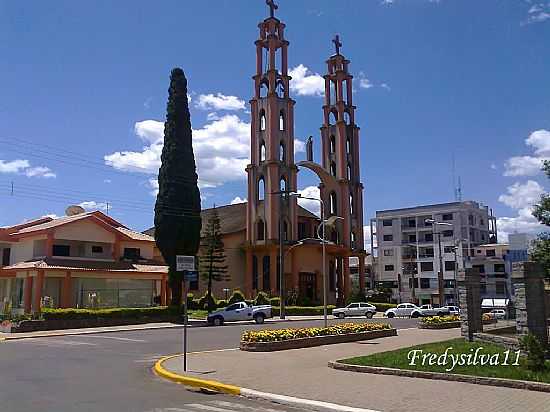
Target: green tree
[178, 205]
[540, 252]
[212, 259]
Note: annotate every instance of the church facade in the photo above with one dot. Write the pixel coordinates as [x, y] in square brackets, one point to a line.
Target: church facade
[270, 235]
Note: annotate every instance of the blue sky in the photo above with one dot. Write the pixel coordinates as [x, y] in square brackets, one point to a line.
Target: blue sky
[83, 87]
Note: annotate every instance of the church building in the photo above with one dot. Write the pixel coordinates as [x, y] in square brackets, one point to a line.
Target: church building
[253, 232]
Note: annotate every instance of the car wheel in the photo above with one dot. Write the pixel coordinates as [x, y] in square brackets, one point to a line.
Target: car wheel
[218, 321]
[259, 319]
[391, 315]
[369, 315]
[341, 316]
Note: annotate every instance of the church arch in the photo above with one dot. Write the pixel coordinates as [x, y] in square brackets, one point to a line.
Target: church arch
[262, 151]
[262, 120]
[261, 189]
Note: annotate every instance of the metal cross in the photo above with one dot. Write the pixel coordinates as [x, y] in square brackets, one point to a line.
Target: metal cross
[272, 7]
[337, 43]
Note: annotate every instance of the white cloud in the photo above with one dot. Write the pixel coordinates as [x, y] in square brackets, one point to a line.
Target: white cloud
[493, 166]
[538, 13]
[20, 166]
[522, 195]
[312, 205]
[93, 205]
[306, 83]
[238, 200]
[221, 148]
[220, 102]
[524, 222]
[539, 140]
[385, 86]
[364, 83]
[299, 145]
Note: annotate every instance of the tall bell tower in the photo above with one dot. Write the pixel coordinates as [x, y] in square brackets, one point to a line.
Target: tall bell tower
[272, 167]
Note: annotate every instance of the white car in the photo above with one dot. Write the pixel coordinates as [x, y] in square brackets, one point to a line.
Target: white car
[402, 310]
[498, 313]
[239, 311]
[454, 310]
[355, 309]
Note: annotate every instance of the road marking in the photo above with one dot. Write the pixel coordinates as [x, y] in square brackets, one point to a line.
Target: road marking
[117, 338]
[242, 407]
[57, 343]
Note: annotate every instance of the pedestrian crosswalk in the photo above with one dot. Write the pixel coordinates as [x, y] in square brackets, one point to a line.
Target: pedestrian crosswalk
[225, 406]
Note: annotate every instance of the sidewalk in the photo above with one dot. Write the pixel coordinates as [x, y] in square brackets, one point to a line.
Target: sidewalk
[144, 326]
[303, 373]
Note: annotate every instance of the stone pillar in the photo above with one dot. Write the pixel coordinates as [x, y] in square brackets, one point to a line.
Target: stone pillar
[27, 294]
[37, 292]
[66, 291]
[469, 285]
[527, 278]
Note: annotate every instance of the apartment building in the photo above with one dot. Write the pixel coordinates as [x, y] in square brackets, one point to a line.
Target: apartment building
[413, 245]
[495, 269]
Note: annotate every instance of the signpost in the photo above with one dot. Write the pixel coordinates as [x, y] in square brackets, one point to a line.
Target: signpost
[186, 264]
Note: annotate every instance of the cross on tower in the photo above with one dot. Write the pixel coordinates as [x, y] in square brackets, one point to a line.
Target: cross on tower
[337, 43]
[272, 7]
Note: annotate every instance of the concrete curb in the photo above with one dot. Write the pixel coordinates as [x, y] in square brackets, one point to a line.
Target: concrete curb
[250, 393]
[478, 380]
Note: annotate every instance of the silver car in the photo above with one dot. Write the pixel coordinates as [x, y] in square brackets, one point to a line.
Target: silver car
[355, 309]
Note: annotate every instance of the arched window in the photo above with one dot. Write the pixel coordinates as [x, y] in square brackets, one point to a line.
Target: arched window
[349, 171]
[333, 204]
[333, 117]
[347, 118]
[348, 145]
[282, 184]
[333, 92]
[351, 204]
[264, 87]
[261, 189]
[333, 169]
[282, 154]
[353, 240]
[332, 144]
[280, 89]
[262, 152]
[282, 120]
[262, 120]
[260, 230]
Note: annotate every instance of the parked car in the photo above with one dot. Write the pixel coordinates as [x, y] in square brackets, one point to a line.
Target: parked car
[402, 310]
[355, 309]
[239, 311]
[454, 310]
[498, 313]
[429, 310]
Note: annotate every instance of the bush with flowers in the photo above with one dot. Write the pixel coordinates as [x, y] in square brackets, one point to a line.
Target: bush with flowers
[277, 335]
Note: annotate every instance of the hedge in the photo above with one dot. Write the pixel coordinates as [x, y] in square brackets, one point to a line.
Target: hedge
[382, 307]
[302, 310]
[276, 335]
[115, 313]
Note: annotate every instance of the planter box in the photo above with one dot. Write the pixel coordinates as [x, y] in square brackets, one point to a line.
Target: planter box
[442, 325]
[315, 341]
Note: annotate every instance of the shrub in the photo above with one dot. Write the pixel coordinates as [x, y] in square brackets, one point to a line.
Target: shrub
[262, 299]
[382, 307]
[275, 301]
[203, 302]
[433, 320]
[288, 334]
[302, 310]
[115, 313]
[237, 296]
[222, 303]
[356, 296]
[536, 351]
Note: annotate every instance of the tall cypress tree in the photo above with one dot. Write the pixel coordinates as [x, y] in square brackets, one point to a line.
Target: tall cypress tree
[212, 260]
[178, 205]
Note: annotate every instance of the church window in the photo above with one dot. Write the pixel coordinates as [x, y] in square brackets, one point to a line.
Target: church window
[282, 184]
[348, 145]
[261, 189]
[332, 144]
[333, 204]
[282, 120]
[262, 120]
[333, 169]
[262, 152]
[282, 156]
[351, 204]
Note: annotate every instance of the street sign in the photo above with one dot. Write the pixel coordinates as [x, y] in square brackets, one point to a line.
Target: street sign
[190, 275]
[185, 263]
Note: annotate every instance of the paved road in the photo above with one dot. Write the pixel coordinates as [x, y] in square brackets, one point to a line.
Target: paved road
[112, 371]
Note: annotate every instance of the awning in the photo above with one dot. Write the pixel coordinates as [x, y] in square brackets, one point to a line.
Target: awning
[494, 303]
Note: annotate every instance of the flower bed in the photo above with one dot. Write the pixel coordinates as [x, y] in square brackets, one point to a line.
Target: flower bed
[448, 322]
[293, 338]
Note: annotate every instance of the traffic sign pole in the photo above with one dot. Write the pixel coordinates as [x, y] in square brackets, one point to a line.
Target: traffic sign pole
[185, 264]
[184, 326]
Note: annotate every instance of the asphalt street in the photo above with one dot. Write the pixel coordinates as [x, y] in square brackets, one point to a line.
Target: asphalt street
[113, 371]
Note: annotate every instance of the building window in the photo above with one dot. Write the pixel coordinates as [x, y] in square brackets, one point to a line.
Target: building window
[282, 156]
[262, 120]
[481, 268]
[500, 288]
[97, 249]
[388, 252]
[302, 230]
[412, 238]
[471, 220]
[411, 283]
[483, 288]
[333, 204]
[447, 216]
[429, 237]
[333, 169]
[424, 283]
[262, 152]
[388, 268]
[282, 125]
[449, 265]
[255, 272]
[61, 250]
[386, 222]
[282, 184]
[490, 252]
[261, 229]
[6, 252]
[349, 172]
[448, 249]
[332, 144]
[449, 283]
[353, 240]
[348, 145]
[132, 253]
[265, 271]
[481, 222]
[426, 266]
[388, 238]
[261, 189]
[447, 233]
[412, 222]
[499, 268]
[351, 208]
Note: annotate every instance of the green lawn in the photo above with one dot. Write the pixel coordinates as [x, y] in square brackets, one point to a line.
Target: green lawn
[401, 359]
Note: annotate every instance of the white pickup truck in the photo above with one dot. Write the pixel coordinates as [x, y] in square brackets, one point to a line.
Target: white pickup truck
[239, 311]
[429, 310]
